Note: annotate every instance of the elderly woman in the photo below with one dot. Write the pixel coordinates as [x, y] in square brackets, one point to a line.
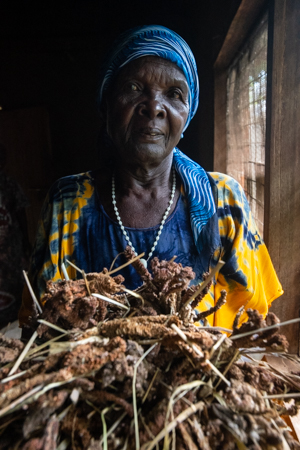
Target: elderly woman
[148, 194]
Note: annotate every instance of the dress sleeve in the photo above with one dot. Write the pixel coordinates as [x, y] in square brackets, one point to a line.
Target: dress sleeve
[248, 275]
[57, 235]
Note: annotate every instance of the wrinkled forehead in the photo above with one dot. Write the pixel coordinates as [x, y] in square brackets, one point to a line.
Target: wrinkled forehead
[150, 64]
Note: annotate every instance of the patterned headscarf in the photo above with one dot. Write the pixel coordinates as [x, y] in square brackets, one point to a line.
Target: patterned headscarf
[152, 40]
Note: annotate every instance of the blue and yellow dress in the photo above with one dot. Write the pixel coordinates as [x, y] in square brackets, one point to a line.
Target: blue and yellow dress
[211, 221]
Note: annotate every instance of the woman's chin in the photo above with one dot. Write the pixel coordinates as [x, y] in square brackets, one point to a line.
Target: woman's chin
[146, 152]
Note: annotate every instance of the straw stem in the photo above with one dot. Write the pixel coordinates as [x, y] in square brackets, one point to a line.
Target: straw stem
[205, 283]
[73, 265]
[135, 413]
[23, 354]
[63, 268]
[109, 300]
[127, 263]
[179, 419]
[32, 292]
[199, 352]
[51, 325]
[258, 330]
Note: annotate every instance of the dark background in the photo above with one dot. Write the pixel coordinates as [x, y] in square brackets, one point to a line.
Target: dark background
[51, 53]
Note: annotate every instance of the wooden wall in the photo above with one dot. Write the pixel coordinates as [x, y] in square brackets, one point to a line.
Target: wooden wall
[282, 180]
[282, 201]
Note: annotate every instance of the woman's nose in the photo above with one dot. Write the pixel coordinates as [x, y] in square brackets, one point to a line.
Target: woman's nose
[152, 107]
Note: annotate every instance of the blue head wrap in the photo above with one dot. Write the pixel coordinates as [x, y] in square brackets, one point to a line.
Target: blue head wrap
[153, 40]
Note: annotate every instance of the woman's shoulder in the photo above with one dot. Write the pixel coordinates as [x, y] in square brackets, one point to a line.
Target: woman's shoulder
[222, 179]
[225, 182]
[229, 191]
[79, 185]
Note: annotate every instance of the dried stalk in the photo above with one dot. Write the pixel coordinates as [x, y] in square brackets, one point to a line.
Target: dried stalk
[134, 403]
[134, 294]
[45, 344]
[217, 345]
[114, 426]
[293, 395]
[205, 283]
[104, 428]
[271, 327]
[150, 385]
[13, 377]
[127, 263]
[23, 354]
[64, 444]
[63, 268]
[109, 300]
[86, 282]
[209, 328]
[73, 265]
[35, 300]
[11, 407]
[195, 348]
[51, 325]
[179, 419]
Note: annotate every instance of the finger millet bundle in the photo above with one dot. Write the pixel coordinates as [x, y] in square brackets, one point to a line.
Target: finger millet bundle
[142, 377]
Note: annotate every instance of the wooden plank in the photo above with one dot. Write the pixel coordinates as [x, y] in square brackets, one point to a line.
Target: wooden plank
[220, 130]
[246, 16]
[283, 161]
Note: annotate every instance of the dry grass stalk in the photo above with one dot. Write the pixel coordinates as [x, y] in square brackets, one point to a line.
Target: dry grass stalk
[51, 325]
[271, 327]
[216, 269]
[110, 300]
[23, 354]
[63, 268]
[86, 282]
[33, 296]
[179, 419]
[134, 402]
[196, 349]
[134, 294]
[74, 266]
[127, 263]
[13, 377]
[19, 401]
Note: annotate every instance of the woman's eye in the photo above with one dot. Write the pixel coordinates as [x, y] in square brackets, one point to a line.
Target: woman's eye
[176, 95]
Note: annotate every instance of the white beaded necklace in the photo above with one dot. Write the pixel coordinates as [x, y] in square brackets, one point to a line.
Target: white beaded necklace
[113, 195]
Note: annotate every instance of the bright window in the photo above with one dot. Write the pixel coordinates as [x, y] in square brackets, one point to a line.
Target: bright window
[246, 120]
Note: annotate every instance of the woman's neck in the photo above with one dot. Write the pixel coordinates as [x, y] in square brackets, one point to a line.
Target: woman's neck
[136, 177]
[142, 195]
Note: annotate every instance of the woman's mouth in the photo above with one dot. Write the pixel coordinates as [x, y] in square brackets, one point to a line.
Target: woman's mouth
[151, 133]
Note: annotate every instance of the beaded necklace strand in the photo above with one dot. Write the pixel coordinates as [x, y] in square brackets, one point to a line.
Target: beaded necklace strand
[162, 223]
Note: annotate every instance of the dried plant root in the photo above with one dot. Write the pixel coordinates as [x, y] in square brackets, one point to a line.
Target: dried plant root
[157, 379]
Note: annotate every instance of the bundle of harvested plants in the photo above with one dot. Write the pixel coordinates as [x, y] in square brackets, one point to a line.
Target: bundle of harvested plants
[130, 370]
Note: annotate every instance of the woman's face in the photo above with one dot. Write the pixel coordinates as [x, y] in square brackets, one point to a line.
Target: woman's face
[147, 108]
